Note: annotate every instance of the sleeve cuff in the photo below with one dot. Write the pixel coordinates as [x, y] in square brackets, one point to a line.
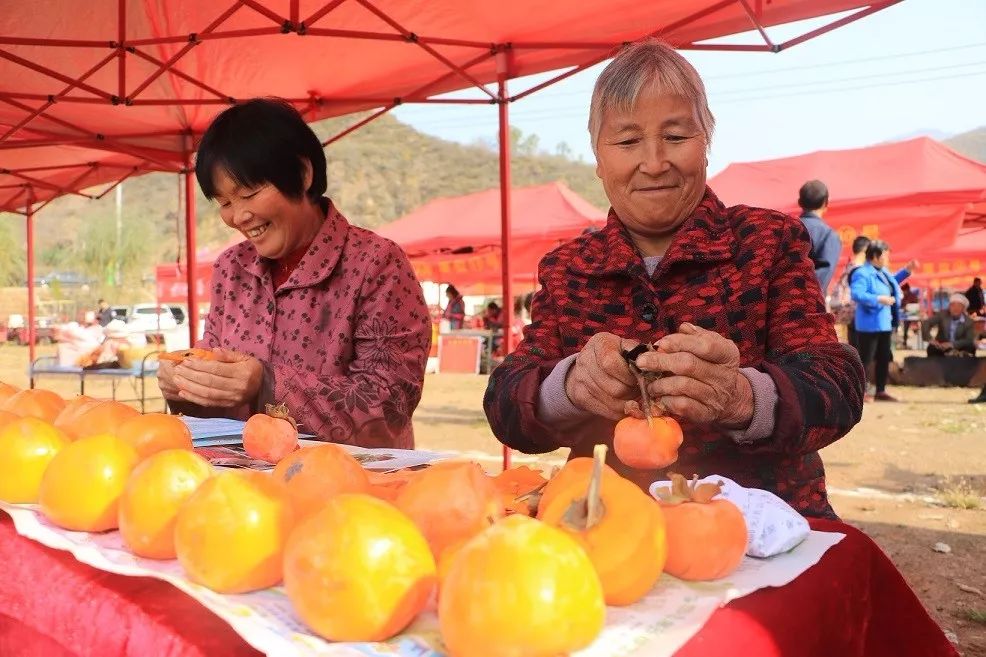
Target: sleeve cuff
[764, 408]
[554, 407]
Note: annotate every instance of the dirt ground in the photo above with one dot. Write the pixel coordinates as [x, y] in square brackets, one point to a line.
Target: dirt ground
[903, 475]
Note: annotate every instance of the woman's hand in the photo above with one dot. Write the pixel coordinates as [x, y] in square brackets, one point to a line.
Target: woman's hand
[701, 380]
[885, 299]
[600, 380]
[232, 379]
[166, 380]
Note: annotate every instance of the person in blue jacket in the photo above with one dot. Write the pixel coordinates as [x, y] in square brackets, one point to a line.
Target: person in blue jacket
[877, 295]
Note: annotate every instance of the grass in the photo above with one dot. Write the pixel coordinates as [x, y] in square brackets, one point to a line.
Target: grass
[974, 615]
[960, 495]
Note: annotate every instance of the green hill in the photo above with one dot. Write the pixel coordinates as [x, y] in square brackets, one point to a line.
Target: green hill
[376, 174]
[971, 144]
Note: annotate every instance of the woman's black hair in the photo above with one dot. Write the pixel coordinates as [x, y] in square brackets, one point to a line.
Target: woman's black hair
[264, 140]
[876, 249]
[451, 290]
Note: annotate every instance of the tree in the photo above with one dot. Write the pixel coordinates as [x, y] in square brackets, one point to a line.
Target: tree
[13, 265]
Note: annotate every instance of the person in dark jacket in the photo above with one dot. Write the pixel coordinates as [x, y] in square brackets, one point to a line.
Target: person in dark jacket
[813, 198]
[748, 357]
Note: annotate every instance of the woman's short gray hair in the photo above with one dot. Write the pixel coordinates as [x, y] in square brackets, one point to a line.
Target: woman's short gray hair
[639, 64]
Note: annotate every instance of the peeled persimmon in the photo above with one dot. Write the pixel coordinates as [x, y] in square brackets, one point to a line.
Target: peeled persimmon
[181, 354]
[707, 537]
[519, 488]
[27, 446]
[314, 474]
[103, 417]
[270, 436]
[81, 487]
[154, 492]
[154, 432]
[450, 502]
[647, 444]
[358, 570]
[230, 533]
[521, 587]
[35, 402]
[574, 470]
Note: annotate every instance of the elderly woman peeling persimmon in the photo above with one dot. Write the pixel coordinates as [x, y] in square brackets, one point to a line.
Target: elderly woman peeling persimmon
[744, 354]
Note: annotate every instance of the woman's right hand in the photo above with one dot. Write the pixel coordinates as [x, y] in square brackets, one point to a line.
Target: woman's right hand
[166, 380]
[885, 300]
[600, 381]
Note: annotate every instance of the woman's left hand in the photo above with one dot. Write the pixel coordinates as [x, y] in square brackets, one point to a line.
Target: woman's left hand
[701, 382]
[232, 379]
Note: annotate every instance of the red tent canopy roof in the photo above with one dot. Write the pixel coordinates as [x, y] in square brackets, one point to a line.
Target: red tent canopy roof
[916, 171]
[129, 85]
[544, 213]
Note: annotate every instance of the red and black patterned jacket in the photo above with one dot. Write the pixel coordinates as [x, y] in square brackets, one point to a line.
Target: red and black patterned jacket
[743, 272]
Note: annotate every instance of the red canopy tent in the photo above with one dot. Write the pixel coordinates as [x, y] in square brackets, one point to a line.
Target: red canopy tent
[915, 194]
[458, 239]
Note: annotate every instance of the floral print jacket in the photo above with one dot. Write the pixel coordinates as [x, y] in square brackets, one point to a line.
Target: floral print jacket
[343, 342]
[742, 272]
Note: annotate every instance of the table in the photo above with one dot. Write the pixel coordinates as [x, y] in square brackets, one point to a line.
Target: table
[852, 603]
[147, 367]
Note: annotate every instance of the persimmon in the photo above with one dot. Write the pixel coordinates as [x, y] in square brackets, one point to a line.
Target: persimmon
[575, 469]
[81, 487]
[620, 527]
[388, 485]
[27, 446]
[154, 432]
[270, 436]
[358, 569]
[6, 417]
[230, 533]
[518, 489]
[152, 496]
[706, 537]
[647, 444]
[35, 402]
[449, 502]
[315, 474]
[7, 391]
[521, 587]
[103, 417]
[181, 354]
[74, 408]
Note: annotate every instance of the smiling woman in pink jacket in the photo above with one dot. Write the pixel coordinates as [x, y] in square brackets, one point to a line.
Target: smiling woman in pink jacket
[310, 311]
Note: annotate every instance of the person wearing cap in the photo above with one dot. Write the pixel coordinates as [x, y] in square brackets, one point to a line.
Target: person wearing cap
[954, 334]
[813, 198]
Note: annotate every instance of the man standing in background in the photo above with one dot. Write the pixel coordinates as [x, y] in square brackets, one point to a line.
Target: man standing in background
[825, 243]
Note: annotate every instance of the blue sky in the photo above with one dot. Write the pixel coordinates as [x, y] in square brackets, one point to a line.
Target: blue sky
[917, 67]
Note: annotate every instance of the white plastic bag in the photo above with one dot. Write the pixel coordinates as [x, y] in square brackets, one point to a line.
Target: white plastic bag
[772, 526]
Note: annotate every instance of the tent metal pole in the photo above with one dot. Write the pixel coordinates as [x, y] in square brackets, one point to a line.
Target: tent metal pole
[191, 267]
[29, 221]
[508, 299]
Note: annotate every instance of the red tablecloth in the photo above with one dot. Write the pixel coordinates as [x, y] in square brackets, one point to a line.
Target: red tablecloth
[853, 602]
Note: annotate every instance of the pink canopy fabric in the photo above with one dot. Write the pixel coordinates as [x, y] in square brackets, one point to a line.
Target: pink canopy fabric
[915, 194]
[91, 92]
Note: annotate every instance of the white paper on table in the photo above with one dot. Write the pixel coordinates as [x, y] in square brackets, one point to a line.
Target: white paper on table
[657, 626]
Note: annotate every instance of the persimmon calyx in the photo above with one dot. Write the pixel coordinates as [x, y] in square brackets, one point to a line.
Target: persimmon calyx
[683, 490]
[281, 412]
[586, 512]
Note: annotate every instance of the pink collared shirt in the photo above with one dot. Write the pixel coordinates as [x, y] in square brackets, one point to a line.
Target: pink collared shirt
[343, 341]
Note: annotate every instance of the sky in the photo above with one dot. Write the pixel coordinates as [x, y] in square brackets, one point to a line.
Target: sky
[918, 67]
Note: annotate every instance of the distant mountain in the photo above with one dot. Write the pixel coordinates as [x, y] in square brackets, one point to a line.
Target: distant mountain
[971, 144]
[937, 135]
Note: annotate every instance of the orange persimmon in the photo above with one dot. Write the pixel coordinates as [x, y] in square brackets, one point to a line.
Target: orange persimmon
[647, 444]
[35, 402]
[7, 391]
[271, 436]
[519, 487]
[706, 537]
[315, 474]
[620, 527]
[181, 354]
[74, 408]
[154, 432]
[103, 417]
[27, 446]
[575, 469]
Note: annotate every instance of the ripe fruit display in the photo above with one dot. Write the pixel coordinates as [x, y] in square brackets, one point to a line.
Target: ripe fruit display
[358, 569]
[706, 537]
[271, 436]
[7, 391]
[154, 432]
[576, 469]
[104, 417]
[647, 444]
[450, 502]
[153, 494]
[27, 446]
[520, 488]
[231, 532]
[520, 587]
[313, 475]
[81, 487]
[67, 419]
[620, 527]
[35, 402]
